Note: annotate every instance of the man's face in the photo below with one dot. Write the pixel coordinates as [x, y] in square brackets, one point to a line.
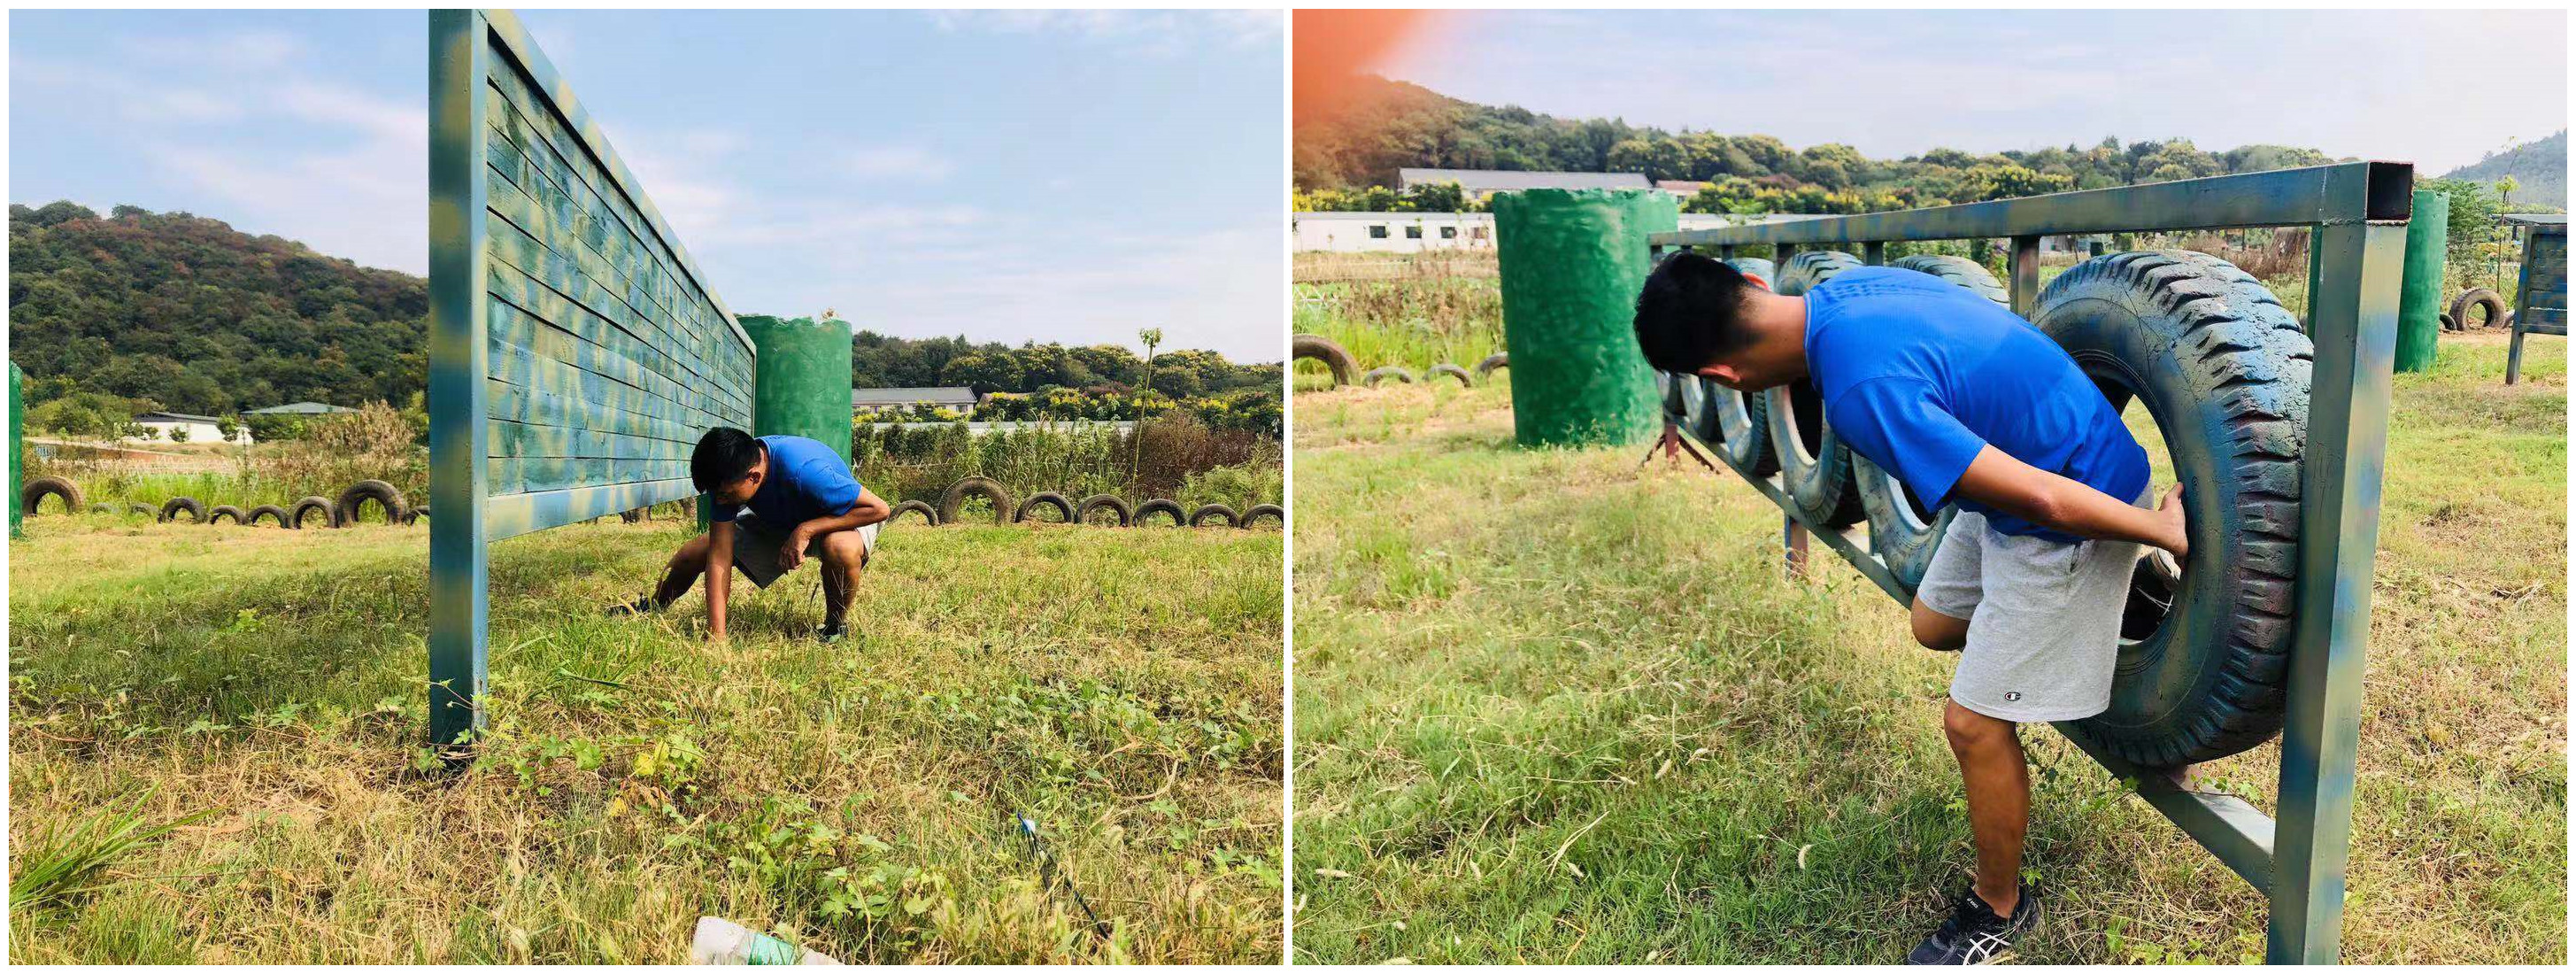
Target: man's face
[739, 492]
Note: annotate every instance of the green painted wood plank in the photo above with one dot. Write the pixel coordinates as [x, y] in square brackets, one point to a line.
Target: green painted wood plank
[525, 512]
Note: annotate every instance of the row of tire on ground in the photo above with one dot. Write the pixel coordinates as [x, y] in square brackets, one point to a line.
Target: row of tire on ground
[2221, 367]
[951, 508]
[314, 510]
[1346, 369]
[2492, 312]
[952, 505]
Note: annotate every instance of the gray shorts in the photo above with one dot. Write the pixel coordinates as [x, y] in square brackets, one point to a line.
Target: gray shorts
[756, 547]
[2043, 618]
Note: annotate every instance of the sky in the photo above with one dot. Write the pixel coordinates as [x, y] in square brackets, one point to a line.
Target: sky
[1010, 176]
[2439, 89]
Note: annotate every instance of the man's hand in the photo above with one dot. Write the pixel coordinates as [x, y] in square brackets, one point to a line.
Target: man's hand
[794, 554]
[2169, 515]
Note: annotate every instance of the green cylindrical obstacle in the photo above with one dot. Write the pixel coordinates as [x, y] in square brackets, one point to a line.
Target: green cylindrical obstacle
[1572, 262]
[803, 379]
[2419, 297]
[17, 454]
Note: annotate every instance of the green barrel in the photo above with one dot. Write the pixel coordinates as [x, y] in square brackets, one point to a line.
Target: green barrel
[2419, 297]
[1572, 262]
[17, 454]
[803, 386]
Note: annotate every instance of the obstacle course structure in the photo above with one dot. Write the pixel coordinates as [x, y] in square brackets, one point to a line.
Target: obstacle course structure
[576, 351]
[2279, 432]
[2540, 299]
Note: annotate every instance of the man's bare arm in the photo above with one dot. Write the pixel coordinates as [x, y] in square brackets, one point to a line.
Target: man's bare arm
[869, 510]
[719, 576]
[1997, 480]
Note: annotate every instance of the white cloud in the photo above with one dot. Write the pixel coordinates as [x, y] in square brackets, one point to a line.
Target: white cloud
[1151, 32]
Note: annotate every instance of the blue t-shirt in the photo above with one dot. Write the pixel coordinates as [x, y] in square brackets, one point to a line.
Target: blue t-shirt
[806, 481]
[1919, 374]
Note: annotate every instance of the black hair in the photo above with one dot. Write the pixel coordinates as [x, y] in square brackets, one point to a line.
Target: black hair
[723, 456]
[1691, 313]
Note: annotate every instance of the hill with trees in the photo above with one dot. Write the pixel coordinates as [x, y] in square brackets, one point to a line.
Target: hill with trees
[1349, 159]
[2538, 170]
[137, 310]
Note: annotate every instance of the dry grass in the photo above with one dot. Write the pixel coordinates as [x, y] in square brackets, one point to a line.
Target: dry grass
[1121, 687]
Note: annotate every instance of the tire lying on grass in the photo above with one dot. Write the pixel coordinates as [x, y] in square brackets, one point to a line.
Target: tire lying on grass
[32, 495]
[929, 515]
[1259, 511]
[1206, 512]
[953, 502]
[1161, 506]
[345, 512]
[2481, 298]
[172, 508]
[2223, 369]
[1450, 368]
[1815, 467]
[270, 511]
[101, 508]
[1487, 365]
[1739, 425]
[1046, 498]
[414, 514]
[309, 506]
[222, 511]
[1385, 372]
[1325, 350]
[147, 510]
[1104, 502]
[1902, 531]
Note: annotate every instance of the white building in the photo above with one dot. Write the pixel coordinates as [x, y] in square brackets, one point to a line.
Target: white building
[1481, 183]
[166, 427]
[1406, 233]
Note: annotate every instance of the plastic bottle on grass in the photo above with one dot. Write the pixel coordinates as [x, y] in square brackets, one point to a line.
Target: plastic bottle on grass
[721, 941]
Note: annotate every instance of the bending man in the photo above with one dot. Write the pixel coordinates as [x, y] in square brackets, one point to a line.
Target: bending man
[778, 499]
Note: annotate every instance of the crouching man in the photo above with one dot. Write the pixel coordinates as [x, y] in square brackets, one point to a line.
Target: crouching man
[778, 499]
[1968, 406]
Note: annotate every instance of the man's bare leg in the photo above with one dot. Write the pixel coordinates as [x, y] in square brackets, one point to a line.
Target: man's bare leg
[1997, 774]
[845, 556]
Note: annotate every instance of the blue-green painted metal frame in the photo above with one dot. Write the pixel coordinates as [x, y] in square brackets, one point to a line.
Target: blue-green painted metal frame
[2540, 291]
[2357, 212]
[468, 50]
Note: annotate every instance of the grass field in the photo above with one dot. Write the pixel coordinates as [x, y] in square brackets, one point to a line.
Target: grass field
[1554, 708]
[261, 690]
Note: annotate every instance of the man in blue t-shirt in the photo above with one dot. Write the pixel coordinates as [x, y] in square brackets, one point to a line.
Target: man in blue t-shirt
[776, 500]
[1968, 406]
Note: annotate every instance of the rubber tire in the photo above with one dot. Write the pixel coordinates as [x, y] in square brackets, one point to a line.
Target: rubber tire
[1899, 534]
[2449, 323]
[415, 514]
[345, 511]
[102, 508]
[1451, 368]
[1199, 518]
[929, 514]
[222, 511]
[1257, 511]
[1044, 498]
[1487, 365]
[170, 510]
[147, 510]
[2478, 297]
[1160, 506]
[2224, 371]
[1384, 372]
[1960, 271]
[35, 491]
[1345, 369]
[1819, 484]
[635, 516]
[1668, 389]
[953, 501]
[302, 508]
[270, 510]
[1082, 511]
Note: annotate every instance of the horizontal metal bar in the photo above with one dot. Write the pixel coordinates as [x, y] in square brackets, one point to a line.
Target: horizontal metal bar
[2232, 829]
[2351, 192]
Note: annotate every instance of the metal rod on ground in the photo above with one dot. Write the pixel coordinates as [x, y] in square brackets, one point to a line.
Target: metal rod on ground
[1047, 870]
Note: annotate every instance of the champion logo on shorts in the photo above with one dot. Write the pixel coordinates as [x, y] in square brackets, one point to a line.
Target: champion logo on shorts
[2012, 696]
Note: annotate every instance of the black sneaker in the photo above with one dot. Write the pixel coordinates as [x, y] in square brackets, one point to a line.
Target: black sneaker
[1974, 934]
[638, 607]
[830, 633]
